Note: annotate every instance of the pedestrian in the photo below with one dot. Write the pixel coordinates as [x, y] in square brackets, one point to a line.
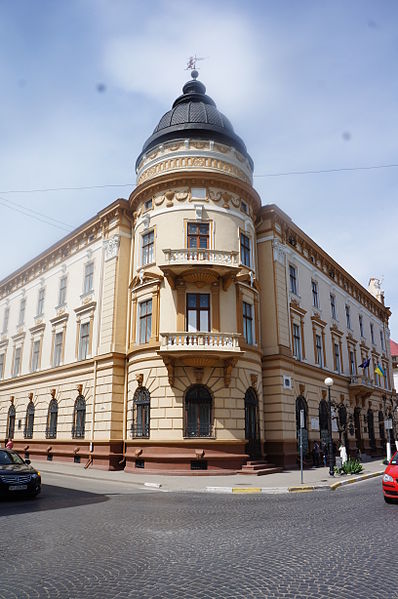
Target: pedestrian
[9, 444]
[316, 454]
[343, 453]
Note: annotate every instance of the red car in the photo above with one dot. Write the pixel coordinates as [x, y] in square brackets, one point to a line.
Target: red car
[390, 480]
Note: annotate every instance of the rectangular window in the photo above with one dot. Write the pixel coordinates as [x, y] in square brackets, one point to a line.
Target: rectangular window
[2, 364]
[243, 206]
[318, 350]
[22, 309]
[348, 317]
[88, 277]
[58, 343]
[198, 235]
[40, 301]
[296, 341]
[372, 333]
[62, 291]
[248, 323]
[35, 356]
[337, 360]
[17, 361]
[333, 306]
[245, 250]
[84, 340]
[353, 367]
[145, 314]
[147, 248]
[6, 319]
[383, 347]
[361, 325]
[198, 312]
[293, 279]
[148, 204]
[315, 294]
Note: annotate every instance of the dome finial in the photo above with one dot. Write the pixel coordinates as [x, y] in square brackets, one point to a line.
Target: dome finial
[191, 64]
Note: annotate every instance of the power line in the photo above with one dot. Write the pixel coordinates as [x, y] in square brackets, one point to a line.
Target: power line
[82, 187]
[330, 170]
[36, 215]
[132, 185]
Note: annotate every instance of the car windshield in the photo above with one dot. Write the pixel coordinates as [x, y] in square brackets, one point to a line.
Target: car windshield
[8, 457]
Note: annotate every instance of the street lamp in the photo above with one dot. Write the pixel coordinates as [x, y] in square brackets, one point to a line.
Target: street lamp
[329, 382]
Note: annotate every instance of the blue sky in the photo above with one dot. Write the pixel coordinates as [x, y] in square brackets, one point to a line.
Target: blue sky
[309, 85]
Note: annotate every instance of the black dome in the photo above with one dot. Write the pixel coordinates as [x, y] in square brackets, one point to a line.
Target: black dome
[195, 115]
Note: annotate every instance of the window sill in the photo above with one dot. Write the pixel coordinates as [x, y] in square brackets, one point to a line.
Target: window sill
[86, 294]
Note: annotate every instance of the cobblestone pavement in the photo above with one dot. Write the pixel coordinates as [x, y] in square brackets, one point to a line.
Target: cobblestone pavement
[74, 544]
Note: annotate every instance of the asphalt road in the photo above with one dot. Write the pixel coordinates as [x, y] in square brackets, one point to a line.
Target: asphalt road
[90, 539]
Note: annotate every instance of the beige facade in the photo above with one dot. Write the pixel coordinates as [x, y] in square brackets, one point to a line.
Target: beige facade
[183, 328]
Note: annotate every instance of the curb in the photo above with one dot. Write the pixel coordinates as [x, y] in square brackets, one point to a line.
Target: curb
[357, 479]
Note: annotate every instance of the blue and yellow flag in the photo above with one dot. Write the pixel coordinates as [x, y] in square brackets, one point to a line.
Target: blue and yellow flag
[379, 370]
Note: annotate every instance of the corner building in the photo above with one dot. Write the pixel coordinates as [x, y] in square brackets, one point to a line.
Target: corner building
[184, 329]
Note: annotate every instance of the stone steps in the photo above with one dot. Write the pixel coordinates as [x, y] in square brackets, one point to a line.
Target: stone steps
[259, 468]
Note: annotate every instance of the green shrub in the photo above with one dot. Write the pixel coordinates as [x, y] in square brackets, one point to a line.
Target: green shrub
[352, 466]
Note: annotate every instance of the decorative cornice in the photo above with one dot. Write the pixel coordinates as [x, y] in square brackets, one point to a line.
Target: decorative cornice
[299, 242]
[73, 243]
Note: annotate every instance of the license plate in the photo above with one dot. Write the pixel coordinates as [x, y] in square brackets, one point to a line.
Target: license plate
[17, 487]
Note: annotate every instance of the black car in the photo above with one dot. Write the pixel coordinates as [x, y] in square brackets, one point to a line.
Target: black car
[17, 476]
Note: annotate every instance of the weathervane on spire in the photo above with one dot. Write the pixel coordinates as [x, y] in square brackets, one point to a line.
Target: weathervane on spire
[191, 64]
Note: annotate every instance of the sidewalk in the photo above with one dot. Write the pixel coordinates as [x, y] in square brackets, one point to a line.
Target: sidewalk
[284, 482]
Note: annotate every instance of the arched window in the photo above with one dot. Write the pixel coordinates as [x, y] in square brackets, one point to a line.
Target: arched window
[11, 422]
[52, 418]
[141, 413]
[29, 419]
[198, 412]
[79, 418]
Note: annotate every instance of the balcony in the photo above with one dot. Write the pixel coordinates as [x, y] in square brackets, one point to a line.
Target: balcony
[361, 386]
[200, 263]
[199, 350]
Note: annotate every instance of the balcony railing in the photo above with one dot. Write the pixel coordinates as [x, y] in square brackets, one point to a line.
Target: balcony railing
[201, 256]
[361, 380]
[200, 341]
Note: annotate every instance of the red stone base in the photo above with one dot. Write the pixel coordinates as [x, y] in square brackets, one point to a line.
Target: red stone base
[199, 457]
[105, 455]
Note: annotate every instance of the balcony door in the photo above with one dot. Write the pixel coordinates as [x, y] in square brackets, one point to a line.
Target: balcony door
[198, 312]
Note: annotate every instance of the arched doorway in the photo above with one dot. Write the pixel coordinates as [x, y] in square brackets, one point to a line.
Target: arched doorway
[371, 430]
[198, 412]
[301, 404]
[357, 428]
[324, 423]
[252, 433]
[52, 420]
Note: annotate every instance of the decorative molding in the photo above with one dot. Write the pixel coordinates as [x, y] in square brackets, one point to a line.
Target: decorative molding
[279, 251]
[111, 247]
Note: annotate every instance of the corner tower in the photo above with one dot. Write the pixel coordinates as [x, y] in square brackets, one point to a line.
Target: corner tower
[194, 397]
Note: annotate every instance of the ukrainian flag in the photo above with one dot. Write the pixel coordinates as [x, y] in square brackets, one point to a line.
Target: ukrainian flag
[379, 370]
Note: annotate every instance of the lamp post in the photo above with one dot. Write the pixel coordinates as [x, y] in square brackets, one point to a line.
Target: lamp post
[329, 382]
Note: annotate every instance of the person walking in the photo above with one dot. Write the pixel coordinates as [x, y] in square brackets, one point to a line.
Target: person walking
[316, 454]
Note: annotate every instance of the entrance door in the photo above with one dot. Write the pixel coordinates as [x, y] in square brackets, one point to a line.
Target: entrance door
[357, 426]
[253, 447]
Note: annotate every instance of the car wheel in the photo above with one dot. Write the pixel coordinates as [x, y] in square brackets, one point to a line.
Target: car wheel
[34, 493]
[388, 499]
